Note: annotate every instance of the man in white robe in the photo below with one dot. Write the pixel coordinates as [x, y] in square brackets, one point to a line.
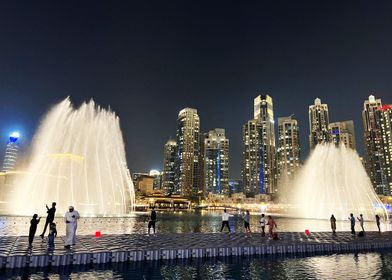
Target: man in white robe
[71, 222]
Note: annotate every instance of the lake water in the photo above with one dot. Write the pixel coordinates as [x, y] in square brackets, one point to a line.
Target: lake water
[371, 265]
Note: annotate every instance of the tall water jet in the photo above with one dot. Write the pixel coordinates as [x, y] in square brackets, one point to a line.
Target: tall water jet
[78, 158]
[334, 181]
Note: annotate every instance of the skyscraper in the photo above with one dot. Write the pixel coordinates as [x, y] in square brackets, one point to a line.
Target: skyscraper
[385, 117]
[11, 152]
[259, 159]
[373, 145]
[216, 162]
[318, 123]
[252, 166]
[288, 150]
[188, 153]
[342, 133]
[169, 160]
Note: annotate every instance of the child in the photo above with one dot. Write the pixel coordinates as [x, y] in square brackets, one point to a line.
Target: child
[52, 235]
[33, 228]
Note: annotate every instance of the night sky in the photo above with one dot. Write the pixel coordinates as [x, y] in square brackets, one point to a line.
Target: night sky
[149, 60]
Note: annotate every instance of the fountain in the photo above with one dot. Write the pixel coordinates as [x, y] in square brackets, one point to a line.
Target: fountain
[334, 181]
[78, 158]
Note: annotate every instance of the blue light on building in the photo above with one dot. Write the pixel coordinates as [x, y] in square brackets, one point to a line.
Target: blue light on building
[11, 152]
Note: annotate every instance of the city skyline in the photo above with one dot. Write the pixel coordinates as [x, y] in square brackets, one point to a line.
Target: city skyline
[213, 58]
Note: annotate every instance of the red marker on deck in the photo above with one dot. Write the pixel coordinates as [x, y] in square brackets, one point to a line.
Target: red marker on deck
[307, 231]
[98, 234]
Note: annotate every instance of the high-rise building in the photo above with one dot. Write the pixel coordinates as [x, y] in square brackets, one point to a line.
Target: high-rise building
[373, 145]
[318, 123]
[385, 117]
[11, 152]
[157, 178]
[216, 162]
[289, 150]
[169, 160]
[202, 185]
[259, 156]
[188, 154]
[342, 133]
[252, 172]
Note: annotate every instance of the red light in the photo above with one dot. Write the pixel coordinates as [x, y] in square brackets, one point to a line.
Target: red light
[98, 234]
[307, 231]
[385, 107]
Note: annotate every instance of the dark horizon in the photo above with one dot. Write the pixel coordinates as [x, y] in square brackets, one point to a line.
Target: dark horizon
[147, 61]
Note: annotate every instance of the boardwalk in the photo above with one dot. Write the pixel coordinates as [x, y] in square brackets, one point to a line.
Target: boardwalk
[14, 251]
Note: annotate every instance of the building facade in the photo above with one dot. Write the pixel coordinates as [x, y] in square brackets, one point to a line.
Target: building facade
[169, 160]
[11, 152]
[318, 123]
[157, 178]
[373, 145]
[188, 154]
[385, 116]
[259, 156]
[342, 133]
[288, 150]
[216, 162]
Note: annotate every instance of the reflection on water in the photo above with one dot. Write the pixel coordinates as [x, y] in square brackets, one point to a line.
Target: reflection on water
[173, 222]
[341, 266]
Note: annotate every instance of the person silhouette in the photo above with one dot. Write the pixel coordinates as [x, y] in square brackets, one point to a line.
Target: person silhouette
[49, 219]
[333, 224]
[33, 228]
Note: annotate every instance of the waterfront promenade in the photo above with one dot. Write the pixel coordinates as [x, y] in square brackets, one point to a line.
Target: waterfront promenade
[14, 251]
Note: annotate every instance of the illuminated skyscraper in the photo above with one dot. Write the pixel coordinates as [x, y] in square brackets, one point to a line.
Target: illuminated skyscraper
[259, 158]
[288, 150]
[385, 116]
[318, 123]
[188, 153]
[342, 133]
[373, 145]
[252, 171]
[11, 152]
[169, 161]
[216, 162]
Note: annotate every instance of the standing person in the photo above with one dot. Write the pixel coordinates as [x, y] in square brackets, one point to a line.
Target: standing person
[225, 220]
[153, 219]
[360, 220]
[352, 222]
[271, 224]
[52, 234]
[378, 222]
[33, 228]
[333, 224]
[262, 224]
[246, 218]
[71, 222]
[49, 218]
